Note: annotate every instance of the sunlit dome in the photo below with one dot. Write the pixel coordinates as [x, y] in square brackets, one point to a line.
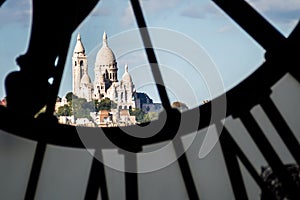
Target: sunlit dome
[105, 55]
[126, 76]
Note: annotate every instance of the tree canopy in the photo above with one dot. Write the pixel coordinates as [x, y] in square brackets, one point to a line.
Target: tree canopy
[65, 110]
[138, 113]
[105, 104]
[82, 108]
[142, 117]
[70, 96]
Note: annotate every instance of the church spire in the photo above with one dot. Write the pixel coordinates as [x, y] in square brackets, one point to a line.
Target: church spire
[79, 46]
[104, 39]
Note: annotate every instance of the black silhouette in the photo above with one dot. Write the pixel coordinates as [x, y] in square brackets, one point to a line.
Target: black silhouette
[53, 24]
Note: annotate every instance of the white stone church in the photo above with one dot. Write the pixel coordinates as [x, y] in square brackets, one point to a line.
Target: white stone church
[106, 84]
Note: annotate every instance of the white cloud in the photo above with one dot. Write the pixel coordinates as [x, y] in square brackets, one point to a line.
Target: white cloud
[134, 59]
[225, 28]
[127, 16]
[283, 14]
[101, 12]
[16, 11]
[193, 12]
[156, 6]
[283, 11]
[149, 7]
[200, 10]
[276, 5]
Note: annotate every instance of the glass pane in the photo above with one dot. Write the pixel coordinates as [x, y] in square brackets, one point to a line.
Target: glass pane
[201, 52]
[231, 54]
[214, 53]
[286, 96]
[159, 170]
[14, 30]
[115, 177]
[284, 15]
[207, 165]
[64, 174]
[16, 156]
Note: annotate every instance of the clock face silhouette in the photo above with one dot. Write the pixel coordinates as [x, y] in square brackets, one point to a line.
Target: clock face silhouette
[218, 146]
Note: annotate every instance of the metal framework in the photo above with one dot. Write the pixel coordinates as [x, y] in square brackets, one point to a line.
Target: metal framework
[254, 90]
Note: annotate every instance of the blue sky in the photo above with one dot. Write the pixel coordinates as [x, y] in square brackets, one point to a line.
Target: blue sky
[196, 43]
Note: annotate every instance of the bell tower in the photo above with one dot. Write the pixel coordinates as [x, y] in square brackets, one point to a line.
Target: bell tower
[79, 65]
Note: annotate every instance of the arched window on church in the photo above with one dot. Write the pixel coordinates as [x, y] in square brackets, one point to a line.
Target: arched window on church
[81, 63]
[75, 63]
[121, 96]
[125, 96]
[106, 74]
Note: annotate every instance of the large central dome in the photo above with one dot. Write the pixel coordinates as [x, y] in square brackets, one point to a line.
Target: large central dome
[105, 55]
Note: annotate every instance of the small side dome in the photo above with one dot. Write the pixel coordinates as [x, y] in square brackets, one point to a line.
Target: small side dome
[79, 46]
[126, 76]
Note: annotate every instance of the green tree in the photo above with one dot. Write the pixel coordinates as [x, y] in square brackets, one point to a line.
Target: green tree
[82, 108]
[65, 110]
[150, 116]
[138, 113]
[105, 104]
[70, 96]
